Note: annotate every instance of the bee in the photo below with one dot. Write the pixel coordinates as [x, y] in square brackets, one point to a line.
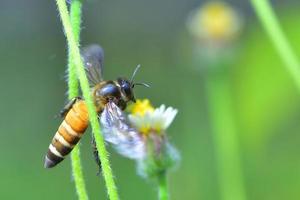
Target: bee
[112, 92]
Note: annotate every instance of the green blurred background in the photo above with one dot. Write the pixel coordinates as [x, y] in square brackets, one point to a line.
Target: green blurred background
[152, 33]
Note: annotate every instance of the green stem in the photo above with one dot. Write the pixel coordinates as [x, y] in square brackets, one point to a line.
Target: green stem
[77, 174]
[225, 138]
[74, 49]
[163, 187]
[75, 17]
[270, 23]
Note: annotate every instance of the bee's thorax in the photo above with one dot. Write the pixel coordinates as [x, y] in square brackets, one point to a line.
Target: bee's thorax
[106, 91]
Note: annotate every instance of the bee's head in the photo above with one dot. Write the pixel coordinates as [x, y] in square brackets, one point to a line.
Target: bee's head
[127, 86]
[126, 89]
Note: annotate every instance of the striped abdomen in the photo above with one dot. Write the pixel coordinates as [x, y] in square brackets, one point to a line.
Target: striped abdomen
[68, 134]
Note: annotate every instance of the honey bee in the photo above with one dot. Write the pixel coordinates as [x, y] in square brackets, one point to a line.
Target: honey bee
[118, 92]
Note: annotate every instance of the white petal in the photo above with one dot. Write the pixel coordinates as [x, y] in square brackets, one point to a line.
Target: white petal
[136, 121]
[169, 117]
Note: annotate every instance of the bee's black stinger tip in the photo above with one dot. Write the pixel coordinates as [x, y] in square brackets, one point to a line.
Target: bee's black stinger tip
[48, 163]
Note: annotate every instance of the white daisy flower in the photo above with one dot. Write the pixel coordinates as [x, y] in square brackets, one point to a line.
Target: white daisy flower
[141, 135]
[145, 118]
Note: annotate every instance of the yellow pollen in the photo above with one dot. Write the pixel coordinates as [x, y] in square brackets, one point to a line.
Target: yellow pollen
[141, 107]
[145, 129]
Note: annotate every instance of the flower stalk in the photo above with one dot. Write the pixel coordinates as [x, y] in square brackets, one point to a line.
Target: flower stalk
[225, 138]
[163, 186]
[73, 86]
[217, 25]
[75, 52]
[271, 25]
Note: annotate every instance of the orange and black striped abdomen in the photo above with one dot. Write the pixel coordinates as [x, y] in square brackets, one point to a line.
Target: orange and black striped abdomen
[68, 134]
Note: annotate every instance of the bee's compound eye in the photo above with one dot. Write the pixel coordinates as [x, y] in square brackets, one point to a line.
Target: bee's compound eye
[127, 89]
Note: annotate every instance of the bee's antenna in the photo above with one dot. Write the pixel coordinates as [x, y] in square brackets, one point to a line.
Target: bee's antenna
[134, 72]
[143, 84]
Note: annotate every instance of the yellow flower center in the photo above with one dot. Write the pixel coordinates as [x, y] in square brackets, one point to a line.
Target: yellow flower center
[145, 129]
[141, 107]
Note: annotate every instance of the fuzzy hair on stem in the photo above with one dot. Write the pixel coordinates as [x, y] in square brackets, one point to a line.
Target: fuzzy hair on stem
[78, 174]
[73, 87]
[271, 25]
[75, 18]
[74, 50]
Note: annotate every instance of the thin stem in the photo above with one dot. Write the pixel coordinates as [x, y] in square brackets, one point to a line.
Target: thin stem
[75, 16]
[225, 138]
[270, 23]
[103, 155]
[163, 187]
[78, 175]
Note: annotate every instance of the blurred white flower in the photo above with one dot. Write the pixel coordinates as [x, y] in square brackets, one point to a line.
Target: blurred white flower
[214, 22]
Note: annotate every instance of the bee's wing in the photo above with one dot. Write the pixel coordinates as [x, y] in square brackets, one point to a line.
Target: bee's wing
[117, 131]
[93, 57]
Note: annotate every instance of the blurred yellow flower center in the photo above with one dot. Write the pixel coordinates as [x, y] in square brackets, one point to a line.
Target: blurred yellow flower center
[217, 18]
[141, 107]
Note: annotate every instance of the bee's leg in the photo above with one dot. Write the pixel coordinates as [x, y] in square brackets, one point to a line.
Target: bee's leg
[96, 156]
[68, 106]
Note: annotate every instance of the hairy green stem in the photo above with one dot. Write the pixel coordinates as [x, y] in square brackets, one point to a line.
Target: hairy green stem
[75, 17]
[74, 49]
[78, 175]
[225, 138]
[163, 193]
[270, 23]
[73, 86]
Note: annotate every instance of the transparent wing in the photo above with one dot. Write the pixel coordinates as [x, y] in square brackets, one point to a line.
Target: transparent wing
[117, 131]
[93, 57]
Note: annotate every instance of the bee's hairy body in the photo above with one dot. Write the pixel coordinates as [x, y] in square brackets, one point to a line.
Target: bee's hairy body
[76, 120]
